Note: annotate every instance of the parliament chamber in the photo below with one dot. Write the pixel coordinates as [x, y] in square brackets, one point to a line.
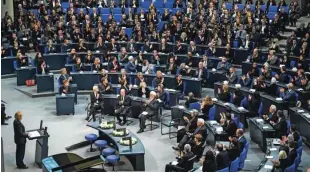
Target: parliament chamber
[155, 85]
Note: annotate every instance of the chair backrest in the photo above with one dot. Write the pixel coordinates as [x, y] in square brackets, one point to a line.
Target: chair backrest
[223, 170]
[153, 83]
[195, 106]
[297, 161]
[288, 122]
[167, 101]
[212, 113]
[260, 109]
[293, 64]
[299, 151]
[290, 168]
[244, 103]
[273, 8]
[184, 87]
[242, 158]
[234, 165]
[15, 64]
[299, 144]
[231, 97]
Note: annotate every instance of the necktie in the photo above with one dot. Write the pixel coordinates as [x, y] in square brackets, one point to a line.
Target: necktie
[196, 130]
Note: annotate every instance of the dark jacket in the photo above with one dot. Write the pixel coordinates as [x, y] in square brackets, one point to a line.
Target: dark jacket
[104, 90]
[19, 132]
[242, 141]
[183, 162]
[125, 104]
[230, 128]
[222, 160]
[173, 70]
[205, 110]
[272, 89]
[291, 156]
[93, 98]
[224, 96]
[238, 97]
[233, 153]
[198, 150]
[281, 127]
[209, 166]
[152, 107]
[147, 92]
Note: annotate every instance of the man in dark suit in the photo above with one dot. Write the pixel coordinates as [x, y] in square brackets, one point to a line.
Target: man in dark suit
[281, 125]
[64, 76]
[283, 77]
[232, 76]
[272, 114]
[292, 154]
[294, 132]
[201, 72]
[20, 140]
[233, 150]
[171, 68]
[123, 106]
[272, 88]
[241, 139]
[130, 66]
[112, 47]
[223, 65]
[151, 109]
[229, 126]
[198, 146]
[96, 101]
[222, 158]
[188, 138]
[161, 94]
[159, 79]
[183, 162]
[105, 87]
[289, 95]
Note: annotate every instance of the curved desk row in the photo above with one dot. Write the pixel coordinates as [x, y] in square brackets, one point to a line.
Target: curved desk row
[86, 81]
[271, 154]
[266, 99]
[135, 154]
[301, 118]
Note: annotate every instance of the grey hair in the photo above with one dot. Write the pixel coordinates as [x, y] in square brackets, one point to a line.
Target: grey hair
[187, 148]
[273, 80]
[273, 107]
[201, 120]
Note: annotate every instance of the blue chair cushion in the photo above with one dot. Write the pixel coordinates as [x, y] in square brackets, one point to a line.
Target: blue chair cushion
[113, 159]
[101, 143]
[108, 151]
[91, 137]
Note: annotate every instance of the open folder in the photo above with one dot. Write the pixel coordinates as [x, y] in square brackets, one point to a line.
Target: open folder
[34, 134]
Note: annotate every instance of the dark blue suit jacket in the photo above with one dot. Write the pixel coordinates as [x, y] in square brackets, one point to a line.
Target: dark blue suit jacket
[284, 78]
[130, 68]
[290, 96]
[226, 66]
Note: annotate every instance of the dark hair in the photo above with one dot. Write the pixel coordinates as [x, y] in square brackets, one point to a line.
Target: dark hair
[280, 113]
[219, 147]
[228, 116]
[293, 128]
[209, 155]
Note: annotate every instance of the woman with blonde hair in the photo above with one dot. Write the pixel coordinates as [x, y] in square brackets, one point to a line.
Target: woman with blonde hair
[206, 105]
[20, 140]
[282, 162]
[21, 60]
[143, 91]
[225, 94]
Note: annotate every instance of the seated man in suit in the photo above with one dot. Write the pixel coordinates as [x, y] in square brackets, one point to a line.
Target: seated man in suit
[281, 125]
[179, 83]
[188, 138]
[283, 77]
[241, 139]
[246, 80]
[293, 131]
[183, 161]
[200, 73]
[130, 66]
[272, 88]
[292, 154]
[198, 146]
[272, 114]
[228, 124]
[289, 95]
[159, 79]
[223, 65]
[64, 76]
[234, 149]
[171, 68]
[151, 109]
[190, 123]
[237, 96]
[106, 87]
[222, 158]
[96, 102]
[161, 94]
[232, 76]
[123, 106]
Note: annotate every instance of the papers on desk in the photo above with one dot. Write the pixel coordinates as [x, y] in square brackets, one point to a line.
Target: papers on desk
[144, 113]
[269, 157]
[180, 127]
[268, 167]
[300, 111]
[174, 163]
[22, 67]
[63, 94]
[94, 71]
[50, 73]
[237, 85]
[241, 108]
[273, 149]
[200, 168]
[252, 90]
[265, 127]
[225, 82]
[214, 70]
[226, 104]
[219, 129]
[279, 99]
[214, 99]
[307, 115]
[213, 122]
[299, 89]
[259, 120]
[276, 142]
[167, 89]
[34, 134]
[159, 100]
[181, 107]
[81, 72]
[97, 51]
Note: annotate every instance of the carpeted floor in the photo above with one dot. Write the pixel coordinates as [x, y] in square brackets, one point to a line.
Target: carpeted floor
[67, 130]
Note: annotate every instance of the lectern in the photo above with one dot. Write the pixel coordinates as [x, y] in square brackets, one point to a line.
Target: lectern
[41, 136]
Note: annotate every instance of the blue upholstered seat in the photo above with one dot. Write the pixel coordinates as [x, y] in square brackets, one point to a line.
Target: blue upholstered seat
[91, 137]
[113, 159]
[101, 143]
[108, 151]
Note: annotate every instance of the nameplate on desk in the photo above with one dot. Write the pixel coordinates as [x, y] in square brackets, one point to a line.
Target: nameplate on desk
[181, 107]
[241, 108]
[300, 111]
[259, 120]
[279, 99]
[269, 157]
[273, 149]
[268, 167]
[213, 122]
[214, 99]
[265, 127]
[252, 90]
[174, 163]
[299, 89]
[307, 115]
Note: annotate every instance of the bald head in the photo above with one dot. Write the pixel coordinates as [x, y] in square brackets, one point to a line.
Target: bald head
[123, 92]
[95, 88]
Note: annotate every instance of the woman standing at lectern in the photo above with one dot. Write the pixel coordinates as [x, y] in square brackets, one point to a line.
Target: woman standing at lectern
[20, 140]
